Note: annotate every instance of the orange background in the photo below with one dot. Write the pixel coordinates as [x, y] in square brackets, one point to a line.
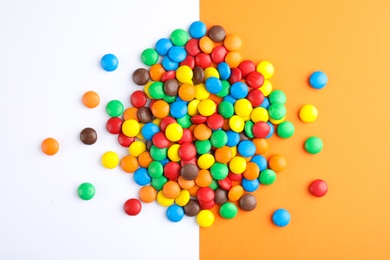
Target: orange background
[350, 42]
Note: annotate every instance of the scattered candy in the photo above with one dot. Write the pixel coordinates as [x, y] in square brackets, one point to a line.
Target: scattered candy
[313, 145]
[109, 62]
[86, 191]
[285, 129]
[308, 113]
[132, 207]
[318, 188]
[281, 217]
[88, 136]
[318, 80]
[247, 202]
[50, 146]
[91, 99]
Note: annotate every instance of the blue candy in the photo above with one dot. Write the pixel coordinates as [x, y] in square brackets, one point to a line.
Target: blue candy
[178, 109]
[177, 53]
[271, 130]
[233, 138]
[163, 45]
[109, 62]
[175, 213]
[169, 64]
[197, 29]
[246, 148]
[250, 185]
[318, 80]
[230, 99]
[149, 130]
[265, 103]
[224, 70]
[281, 218]
[260, 161]
[142, 177]
[239, 90]
[213, 85]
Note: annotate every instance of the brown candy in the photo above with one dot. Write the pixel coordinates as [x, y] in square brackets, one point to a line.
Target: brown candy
[221, 196]
[243, 137]
[217, 33]
[88, 136]
[247, 202]
[141, 76]
[148, 144]
[192, 208]
[198, 75]
[144, 115]
[171, 86]
[189, 172]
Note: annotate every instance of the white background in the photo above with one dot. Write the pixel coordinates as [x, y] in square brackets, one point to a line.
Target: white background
[49, 56]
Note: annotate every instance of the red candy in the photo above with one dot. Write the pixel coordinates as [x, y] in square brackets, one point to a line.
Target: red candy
[192, 47]
[256, 97]
[166, 121]
[235, 75]
[226, 183]
[318, 188]
[198, 119]
[186, 138]
[234, 177]
[114, 125]
[215, 121]
[132, 207]
[246, 67]
[191, 161]
[261, 129]
[255, 79]
[205, 194]
[138, 99]
[218, 54]
[203, 60]
[172, 170]
[171, 74]
[189, 61]
[124, 140]
[160, 140]
[187, 151]
[207, 205]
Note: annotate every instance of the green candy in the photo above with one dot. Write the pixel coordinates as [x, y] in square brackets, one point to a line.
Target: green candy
[202, 147]
[214, 184]
[149, 57]
[179, 37]
[267, 177]
[249, 129]
[158, 183]
[155, 169]
[277, 111]
[313, 145]
[158, 154]
[219, 171]
[86, 191]
[184, 121]
[228, 210]
[156, 90]
[114, 108]
[285, 129]
[218, 139]
[225, 89]
[226, 109]
[277, 96]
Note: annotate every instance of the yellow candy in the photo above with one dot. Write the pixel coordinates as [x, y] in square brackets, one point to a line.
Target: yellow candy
[193, 107]
[183, 198]
[164, 201]
[259, 114]
[131, 128]
[243, 107]
[174, 132]
[210, 72]
[308, 113]
[266, 89]
[136, 148]
[266, 69]
[276, 122]
[173, 153]
[201, 92]
[184, 74]
[234, 150]
[139, 135]
[237, 165]
[110, 160]
[205, 218]
[157, 121]
[205, 161]
[236, 123]
[146, 89]
[207, 107]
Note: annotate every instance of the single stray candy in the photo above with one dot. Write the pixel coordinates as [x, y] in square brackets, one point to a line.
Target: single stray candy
[313, 145]
[109, 62]
[86, 191]
[247, 202]
[132, 207]
[88, 136]
[281, 217]
[308, 113]
[91, 99]
[318, 80]
[318, 188]
[50, 146]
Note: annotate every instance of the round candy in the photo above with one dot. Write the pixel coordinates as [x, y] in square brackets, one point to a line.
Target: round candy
[239, 90]
[147, 194]
[114, 108]
[110, 160]
[189, 172]
[50, 146]
[281, 217]
[163, 45]
[131, 128]
[205, 218]
[250, 185]
[236, 123]
[88, 136]
[175, 213]
[86, 191]
[267, 177]
[277, 111]
[149, 57]
[219, 171]
[318, 188]
[285, 129]
[91, 99]
[192, 208]
[247, 148]
[313, 145]
[213, 85]
[141, 76]
[138, 99]
[261, 129]
[232, 42]
[177, 54]
[207, 107]
[109, 62]
[132, 207]
[174, 132]
[184, 73]
[197, 29]
[277, 163]
[179, 37]
[217, 33]
[277, 96]
[114, 125]
[228, 210]
[318, 80]
[266, 69]
[171, 87]
[142, 177]
[308, 113]
[237, 165]
[247, 202]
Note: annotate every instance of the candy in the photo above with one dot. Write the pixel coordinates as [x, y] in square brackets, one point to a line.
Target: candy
[205, 218]
[228, 210]
[113, 125]
[189, 172]
[175, 213]
[91, 99]
[318, 188]
[147, 194]
[109, 62]
[308, 113]
[281, 217]
[247, 202]
[192, 208]
[141, 76]
[129, 164]
[88, 136]
[110, 160]
[277, 163]
[86, 191]
[217, 33]
[318, 80]
[179, 37]
[132, 207]
[114, 108]
[149, 57]
[266, 69]
[313, 145]
[285, 129]
[267, 177]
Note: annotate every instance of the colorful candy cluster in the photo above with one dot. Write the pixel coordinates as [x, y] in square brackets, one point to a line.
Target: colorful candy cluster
[197, 133]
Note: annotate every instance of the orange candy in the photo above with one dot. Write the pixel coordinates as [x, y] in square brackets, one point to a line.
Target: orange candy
[252, 171]
[202, 132]
[171, 190]
[187, 92]
[277, 163]
[261, 145]
[223, 154]
[232, 42]
[233, 59]
[203, 179]
[156, 72]
[160, 109]
[215, 98]
[185, 184]
[193, 190]
[129, 164]
[50, 146]
[131, 113]
[144, 159]
[91, 99]
[206, 44]
[147, 194]
[235, 193]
